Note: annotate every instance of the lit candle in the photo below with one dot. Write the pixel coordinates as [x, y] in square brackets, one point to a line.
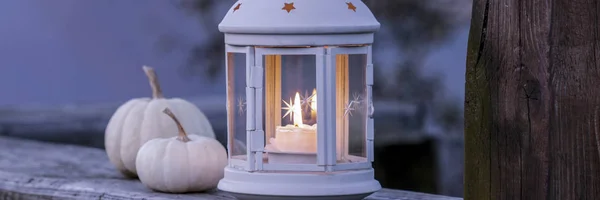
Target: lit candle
[298, 137]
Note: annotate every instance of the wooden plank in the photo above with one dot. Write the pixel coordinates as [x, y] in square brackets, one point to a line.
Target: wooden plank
[389, 194]
[534, 99]
[37, 170]
[531, 100]
[573, 150]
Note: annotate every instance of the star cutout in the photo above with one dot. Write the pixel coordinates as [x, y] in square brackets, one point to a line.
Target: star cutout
[237, 7]
[349, 108]
[351, 6]
[241, 106]
[359, 102]
[306, 99]
[288, 7]
[289, 107]
[357, 98]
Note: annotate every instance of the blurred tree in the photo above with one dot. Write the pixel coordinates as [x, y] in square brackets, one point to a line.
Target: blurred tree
[414, 26]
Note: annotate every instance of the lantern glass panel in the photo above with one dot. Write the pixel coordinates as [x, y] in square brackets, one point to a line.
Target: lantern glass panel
[351, 111]
[290, 109]
[236, 105]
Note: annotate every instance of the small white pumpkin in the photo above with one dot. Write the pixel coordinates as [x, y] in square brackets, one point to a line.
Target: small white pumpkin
[140, 120]
[185, 163]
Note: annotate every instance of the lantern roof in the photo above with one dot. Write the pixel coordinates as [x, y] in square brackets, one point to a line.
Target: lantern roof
[299, 23]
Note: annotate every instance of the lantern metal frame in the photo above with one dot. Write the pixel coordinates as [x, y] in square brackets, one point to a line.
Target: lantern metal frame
[248, 177]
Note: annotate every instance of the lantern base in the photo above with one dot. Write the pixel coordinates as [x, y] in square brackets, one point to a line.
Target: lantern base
[263, 197]
[342, 185]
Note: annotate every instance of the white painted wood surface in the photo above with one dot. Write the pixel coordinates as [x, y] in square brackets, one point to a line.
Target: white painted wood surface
[38, 170]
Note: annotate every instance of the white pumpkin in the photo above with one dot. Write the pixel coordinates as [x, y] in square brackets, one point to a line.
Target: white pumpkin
[140, 120]
[185, 163]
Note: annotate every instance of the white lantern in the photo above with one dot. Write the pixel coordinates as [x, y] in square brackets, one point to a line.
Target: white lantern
[299, 77]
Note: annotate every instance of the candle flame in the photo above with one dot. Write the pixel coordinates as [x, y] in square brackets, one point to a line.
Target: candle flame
[297, 106]
[313, 100]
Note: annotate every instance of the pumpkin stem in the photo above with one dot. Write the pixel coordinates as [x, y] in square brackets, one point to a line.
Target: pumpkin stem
[182, 135]
[156, 91]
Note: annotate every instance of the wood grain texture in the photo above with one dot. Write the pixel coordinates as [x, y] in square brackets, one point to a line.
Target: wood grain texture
[37, 170]
[532, 100]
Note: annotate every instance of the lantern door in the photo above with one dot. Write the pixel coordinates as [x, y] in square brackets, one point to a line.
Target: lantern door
[237, 67]
[353, 105]
[290, 108]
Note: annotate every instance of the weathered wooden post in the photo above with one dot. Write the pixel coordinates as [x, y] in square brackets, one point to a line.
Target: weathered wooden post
[532, 103]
